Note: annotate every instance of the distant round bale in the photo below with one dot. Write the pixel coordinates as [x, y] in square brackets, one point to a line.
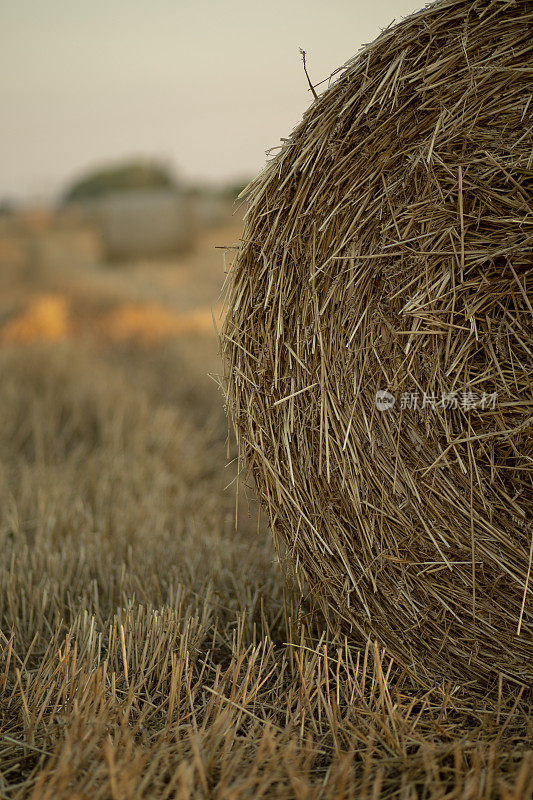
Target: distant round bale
[378, 342]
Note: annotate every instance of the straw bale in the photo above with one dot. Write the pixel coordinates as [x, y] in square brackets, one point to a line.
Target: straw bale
[388, 248]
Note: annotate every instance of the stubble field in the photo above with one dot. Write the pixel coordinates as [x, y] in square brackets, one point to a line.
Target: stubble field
[150, 646]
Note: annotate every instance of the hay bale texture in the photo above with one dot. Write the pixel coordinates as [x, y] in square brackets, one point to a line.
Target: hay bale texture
[388, 246]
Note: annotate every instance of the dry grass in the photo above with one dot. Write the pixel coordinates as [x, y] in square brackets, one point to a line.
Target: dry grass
[388, 246]
[146, 650]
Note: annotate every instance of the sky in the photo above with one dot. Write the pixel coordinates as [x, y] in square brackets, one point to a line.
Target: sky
[206, 86]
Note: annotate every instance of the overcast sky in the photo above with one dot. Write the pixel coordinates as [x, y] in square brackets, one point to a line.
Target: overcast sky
[207, 86]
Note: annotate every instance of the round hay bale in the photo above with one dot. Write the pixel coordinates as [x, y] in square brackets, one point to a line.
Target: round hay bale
[378, 343]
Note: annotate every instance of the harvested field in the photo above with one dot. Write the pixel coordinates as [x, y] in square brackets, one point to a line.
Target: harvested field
[146, 648]
[149, 648]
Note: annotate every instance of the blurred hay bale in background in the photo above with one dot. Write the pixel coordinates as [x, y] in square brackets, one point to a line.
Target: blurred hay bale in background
[143, 223]
[139, 206]
[388, 248]
[216, 205]
[211, 209]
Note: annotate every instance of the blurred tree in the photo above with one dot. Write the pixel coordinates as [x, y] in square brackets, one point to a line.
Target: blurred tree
[129, 175]
[7, 206]
[233, 189]
[226, 191]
